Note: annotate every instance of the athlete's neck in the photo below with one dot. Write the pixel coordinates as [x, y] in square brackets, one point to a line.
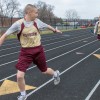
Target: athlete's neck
[27, 18]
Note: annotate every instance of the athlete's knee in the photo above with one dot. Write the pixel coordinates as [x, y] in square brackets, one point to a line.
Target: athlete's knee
[20, 75]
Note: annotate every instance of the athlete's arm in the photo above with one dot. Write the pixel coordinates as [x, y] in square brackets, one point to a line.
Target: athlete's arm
[53, 29]
[96, 27]
[41, 25]
[12, 29]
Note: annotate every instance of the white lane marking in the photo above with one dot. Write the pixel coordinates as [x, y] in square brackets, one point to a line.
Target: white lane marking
[56, 57]
[64, 40]
[18, 41]
[8, 63]
[14, 75]
[49, 49]
[71, 51]
[47, 44]
[10, 40]
[53, 39]
[9, 48]
[66, 35]
[41, 86]
[42, 41]
[68, 44]
[79, 53]
[9, 54]
[92, 91]
[10, 44]
[85, 41]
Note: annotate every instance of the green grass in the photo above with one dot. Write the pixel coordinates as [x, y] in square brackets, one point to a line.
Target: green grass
[64, 30]
[12, 36]
[50, 32]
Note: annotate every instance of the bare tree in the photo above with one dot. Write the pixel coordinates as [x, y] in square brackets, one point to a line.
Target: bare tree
[45, 10]
[20, 13]
[72, 14]
[13, 9]
[8, 9]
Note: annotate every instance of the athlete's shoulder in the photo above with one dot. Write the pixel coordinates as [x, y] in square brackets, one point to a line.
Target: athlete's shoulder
[20, 21]
[37, 20]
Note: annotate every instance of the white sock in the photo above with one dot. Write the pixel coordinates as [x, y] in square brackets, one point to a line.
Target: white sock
[55, 74]
[23, 93]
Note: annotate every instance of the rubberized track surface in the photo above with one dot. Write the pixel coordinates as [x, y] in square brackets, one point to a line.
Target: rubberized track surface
[72, 54]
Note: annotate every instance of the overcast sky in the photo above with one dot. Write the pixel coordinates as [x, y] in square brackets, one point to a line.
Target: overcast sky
[85, 8]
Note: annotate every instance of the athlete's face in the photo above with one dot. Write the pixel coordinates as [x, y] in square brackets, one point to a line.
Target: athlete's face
[33, 13]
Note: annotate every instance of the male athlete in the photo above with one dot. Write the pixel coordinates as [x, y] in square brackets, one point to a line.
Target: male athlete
[97, 29]
[27, 30]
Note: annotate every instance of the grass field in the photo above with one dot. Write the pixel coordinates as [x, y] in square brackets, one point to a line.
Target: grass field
[12, 36]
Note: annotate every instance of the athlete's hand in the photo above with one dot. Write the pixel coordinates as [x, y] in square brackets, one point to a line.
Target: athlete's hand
[58, 31]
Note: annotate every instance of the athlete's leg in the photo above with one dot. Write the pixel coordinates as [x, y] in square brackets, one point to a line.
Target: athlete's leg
[23, 63]
[40, 61]
[21, 80]
[21, 85]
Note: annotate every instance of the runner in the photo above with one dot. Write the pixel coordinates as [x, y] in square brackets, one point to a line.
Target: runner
[27, 30]
[97, 29]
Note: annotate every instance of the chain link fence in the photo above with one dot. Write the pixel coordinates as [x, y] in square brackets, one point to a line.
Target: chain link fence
[62, 24]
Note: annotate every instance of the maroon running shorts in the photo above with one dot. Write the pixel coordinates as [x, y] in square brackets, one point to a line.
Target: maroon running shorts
[29, 55]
